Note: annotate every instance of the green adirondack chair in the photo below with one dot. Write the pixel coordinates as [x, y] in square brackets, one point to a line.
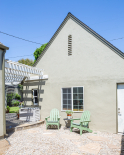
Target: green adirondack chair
[84, 122]
[54, 118]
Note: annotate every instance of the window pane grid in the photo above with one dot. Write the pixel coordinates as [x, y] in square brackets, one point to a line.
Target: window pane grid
[67, 104]
[77, 98]
[76, 95]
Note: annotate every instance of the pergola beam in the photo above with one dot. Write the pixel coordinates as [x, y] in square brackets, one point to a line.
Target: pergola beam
[16, 72]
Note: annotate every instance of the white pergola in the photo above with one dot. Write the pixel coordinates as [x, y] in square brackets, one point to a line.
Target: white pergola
[16, 72]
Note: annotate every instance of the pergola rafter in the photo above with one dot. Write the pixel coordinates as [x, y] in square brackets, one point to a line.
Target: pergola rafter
[16, 72]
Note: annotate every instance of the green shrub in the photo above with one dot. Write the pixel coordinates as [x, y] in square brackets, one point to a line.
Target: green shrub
[69, 112]
[10, 97]
[15, 102]
[13, 99]
[17, 96]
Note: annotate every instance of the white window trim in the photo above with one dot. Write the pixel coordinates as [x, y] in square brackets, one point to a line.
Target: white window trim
[72, 99]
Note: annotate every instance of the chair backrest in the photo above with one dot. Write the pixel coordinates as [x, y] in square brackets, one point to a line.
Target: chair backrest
[85, 117]
[54, 114]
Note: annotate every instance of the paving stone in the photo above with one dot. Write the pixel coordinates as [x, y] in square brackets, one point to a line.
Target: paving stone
[49, 134]
[4, 146]
[98, 138]
[77, 143]
[47, 130]
[38, 141]
[77, 137]
[93, 148]
[32, 131]
[111, 146]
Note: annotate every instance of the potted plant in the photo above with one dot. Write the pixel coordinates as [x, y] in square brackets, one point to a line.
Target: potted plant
[17, 114]
[7, 109]
[69, 114]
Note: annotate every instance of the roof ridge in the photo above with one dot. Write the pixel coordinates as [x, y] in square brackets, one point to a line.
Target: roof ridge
[88, 29]
[96, 33]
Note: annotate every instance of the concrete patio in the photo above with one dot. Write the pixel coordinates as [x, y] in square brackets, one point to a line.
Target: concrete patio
[38, 141]
[12, 122]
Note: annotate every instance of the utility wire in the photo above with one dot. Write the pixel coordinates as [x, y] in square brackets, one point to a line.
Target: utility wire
[20, 38]
[36, 42]
[40, 43]
[116, 39]
[32, 54]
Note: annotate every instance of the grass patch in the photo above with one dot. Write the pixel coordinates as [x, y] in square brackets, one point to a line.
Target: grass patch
[13, 109]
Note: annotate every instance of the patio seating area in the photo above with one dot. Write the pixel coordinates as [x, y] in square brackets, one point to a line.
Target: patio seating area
[12, 122]
[52, 141]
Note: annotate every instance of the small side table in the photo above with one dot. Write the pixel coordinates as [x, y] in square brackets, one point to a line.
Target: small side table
[67, 123]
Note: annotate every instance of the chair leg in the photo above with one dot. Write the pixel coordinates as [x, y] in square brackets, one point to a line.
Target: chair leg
[90, 131]
[80, 131]
[71, 129]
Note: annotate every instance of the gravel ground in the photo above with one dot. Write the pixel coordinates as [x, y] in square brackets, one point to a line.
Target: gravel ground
[39, 141]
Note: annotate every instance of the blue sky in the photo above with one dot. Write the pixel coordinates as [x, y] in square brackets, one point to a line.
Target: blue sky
[37, 20]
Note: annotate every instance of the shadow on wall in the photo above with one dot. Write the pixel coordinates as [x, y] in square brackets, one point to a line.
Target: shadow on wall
[28, 93]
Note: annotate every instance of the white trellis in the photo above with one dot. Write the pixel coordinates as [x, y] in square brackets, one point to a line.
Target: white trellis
[16, 72]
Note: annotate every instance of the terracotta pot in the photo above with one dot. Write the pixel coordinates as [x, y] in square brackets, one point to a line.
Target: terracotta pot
[69, 116]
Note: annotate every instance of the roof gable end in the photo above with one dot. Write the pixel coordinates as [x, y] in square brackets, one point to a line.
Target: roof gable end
[88, 29]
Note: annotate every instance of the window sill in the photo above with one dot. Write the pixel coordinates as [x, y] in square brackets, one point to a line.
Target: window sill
[72, 111]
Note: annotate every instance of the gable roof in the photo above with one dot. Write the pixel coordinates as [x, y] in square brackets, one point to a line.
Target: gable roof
[88, 29]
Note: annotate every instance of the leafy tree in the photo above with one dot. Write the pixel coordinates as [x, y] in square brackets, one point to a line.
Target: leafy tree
[27, 61]
[17, 96]
[38, 51]
[11, 97]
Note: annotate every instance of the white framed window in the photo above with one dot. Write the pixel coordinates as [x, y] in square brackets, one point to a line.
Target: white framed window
[72, 99]
[35, 96]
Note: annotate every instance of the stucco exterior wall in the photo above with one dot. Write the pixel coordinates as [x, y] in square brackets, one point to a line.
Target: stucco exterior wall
[92, 65]
[2, 96]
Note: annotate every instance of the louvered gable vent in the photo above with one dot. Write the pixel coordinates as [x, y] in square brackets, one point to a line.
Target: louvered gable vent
[69, 45]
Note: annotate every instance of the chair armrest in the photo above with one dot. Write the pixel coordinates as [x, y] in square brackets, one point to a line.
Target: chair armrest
[47, 118]
[86, 121]
[75, 119]
[59, 118]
